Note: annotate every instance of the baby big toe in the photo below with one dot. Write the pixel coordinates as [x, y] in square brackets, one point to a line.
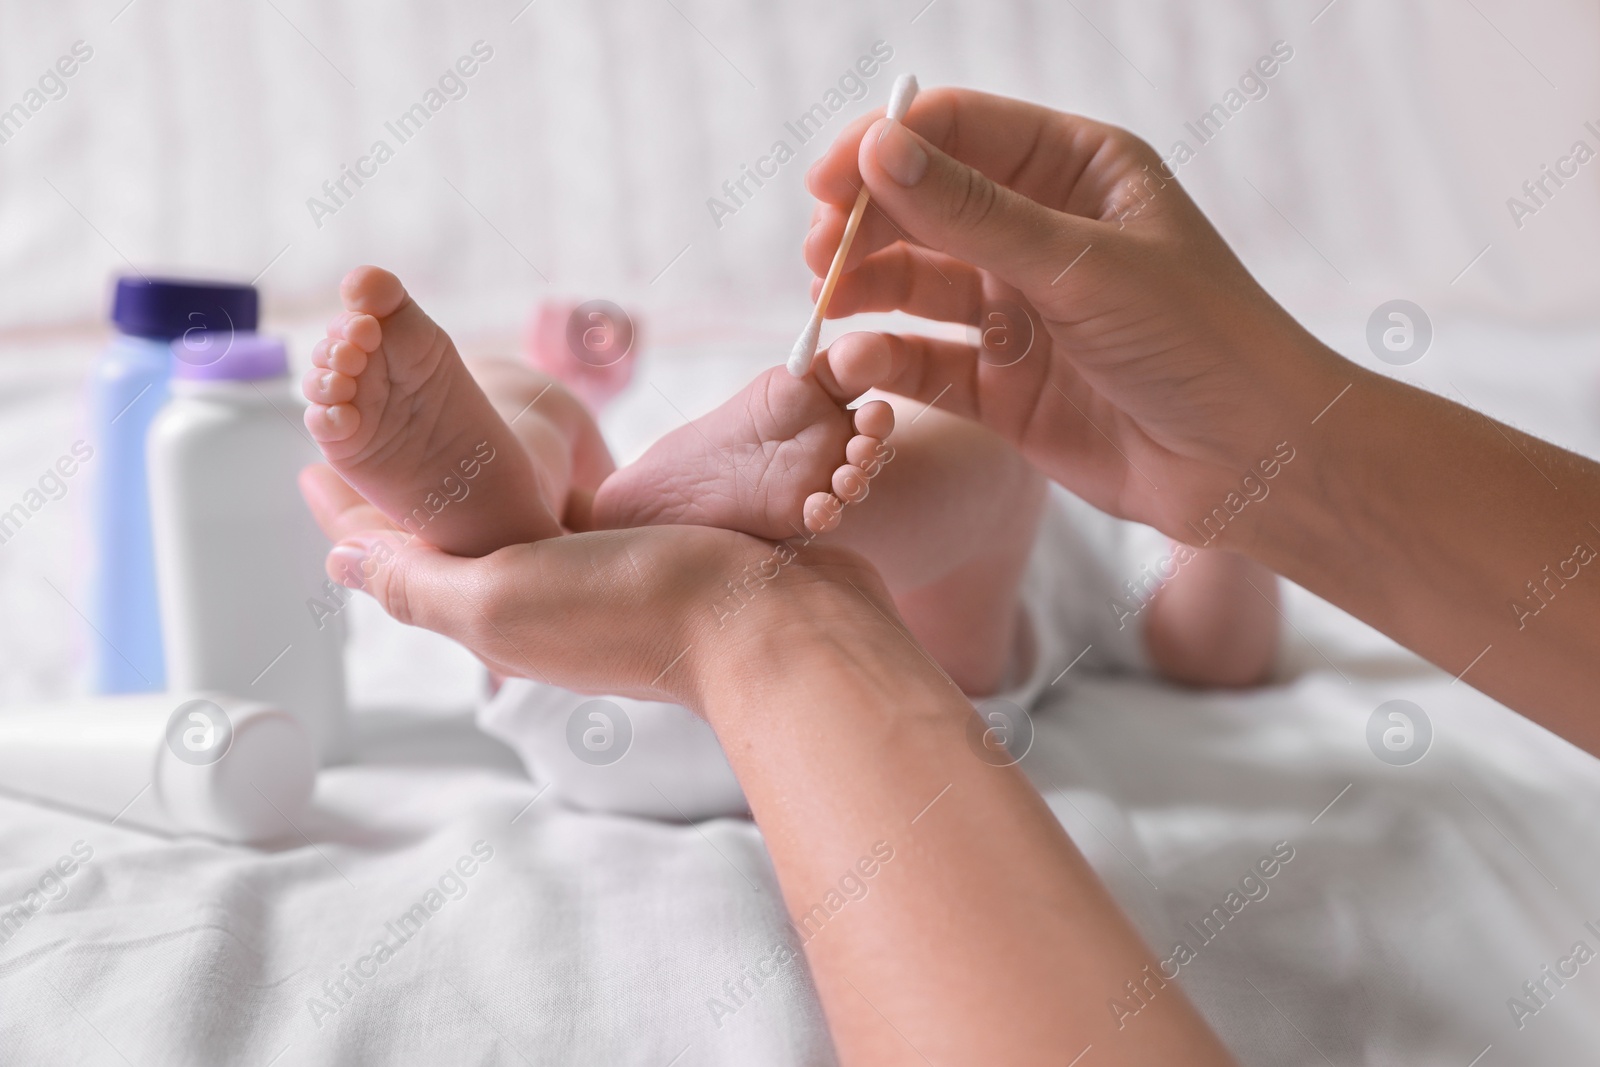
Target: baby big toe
[372, 290]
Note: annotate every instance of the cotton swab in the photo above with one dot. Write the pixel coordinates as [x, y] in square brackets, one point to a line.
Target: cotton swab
[805, 349]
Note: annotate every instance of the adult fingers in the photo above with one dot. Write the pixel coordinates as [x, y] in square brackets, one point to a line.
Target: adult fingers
[877, 231]
[834, 177]
[922, 368]
[483, 603]
[1063, 161]
[414, 582]
[945, 204]
[565, 610]
[903, 277]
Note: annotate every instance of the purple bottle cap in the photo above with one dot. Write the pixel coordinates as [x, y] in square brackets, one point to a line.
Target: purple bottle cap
[221, 356]
[163, 308]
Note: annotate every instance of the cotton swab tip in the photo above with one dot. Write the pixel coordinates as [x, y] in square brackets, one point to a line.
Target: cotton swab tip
[805, 349]
[900, 97]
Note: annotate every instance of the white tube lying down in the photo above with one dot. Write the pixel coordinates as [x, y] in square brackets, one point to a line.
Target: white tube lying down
[202, 763]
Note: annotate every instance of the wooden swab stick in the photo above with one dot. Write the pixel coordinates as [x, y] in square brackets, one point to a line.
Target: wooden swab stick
[805, 349]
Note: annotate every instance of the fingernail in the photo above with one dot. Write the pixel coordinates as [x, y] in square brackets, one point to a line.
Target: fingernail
[899, 154]
[347, 562]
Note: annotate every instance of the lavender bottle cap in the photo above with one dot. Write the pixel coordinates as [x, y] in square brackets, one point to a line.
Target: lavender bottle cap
[223, 356]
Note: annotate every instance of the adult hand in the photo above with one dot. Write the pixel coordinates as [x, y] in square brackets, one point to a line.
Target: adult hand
[639, 612]
[1164, 374]
[1159, 371]
[838, 728]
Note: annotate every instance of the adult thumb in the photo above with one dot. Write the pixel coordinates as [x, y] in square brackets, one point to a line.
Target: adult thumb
[941, 203]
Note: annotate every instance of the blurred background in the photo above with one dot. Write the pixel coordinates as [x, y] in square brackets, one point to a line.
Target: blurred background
[581, 155]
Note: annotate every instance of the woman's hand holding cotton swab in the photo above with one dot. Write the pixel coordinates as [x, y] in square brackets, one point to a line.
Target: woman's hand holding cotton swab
[805, 349]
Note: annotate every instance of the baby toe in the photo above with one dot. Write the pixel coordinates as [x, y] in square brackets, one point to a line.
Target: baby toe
[851, 484]
[345, 358]
[875, 419]
[335, 353]
[822, 512]
[328, 387]
[863, 450]
[336, 325]
[372, 291]
[364, 332]
[331, 423]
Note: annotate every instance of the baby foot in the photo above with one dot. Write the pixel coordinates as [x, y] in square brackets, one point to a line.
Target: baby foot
[763, 463]
[401, 419]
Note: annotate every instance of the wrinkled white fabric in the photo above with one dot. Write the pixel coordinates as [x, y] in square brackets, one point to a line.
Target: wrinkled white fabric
[1413, 909]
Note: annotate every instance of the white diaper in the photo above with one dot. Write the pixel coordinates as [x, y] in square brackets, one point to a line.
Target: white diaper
[615, 754]
[637, 757]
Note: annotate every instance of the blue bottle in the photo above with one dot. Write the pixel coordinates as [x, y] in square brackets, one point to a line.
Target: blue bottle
[127, 386]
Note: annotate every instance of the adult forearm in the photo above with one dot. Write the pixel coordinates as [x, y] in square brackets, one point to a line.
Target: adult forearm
[1469, 542]
[981, 934]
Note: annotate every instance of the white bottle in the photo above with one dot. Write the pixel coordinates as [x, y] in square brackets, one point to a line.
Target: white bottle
[175, 763]
[239, 561]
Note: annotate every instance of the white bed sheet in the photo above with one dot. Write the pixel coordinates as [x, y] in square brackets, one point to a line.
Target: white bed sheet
[1416, 904]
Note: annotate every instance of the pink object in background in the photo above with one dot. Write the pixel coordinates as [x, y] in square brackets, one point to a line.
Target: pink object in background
[590, 347]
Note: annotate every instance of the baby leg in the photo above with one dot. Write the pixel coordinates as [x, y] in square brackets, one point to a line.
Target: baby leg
[949, 521]
[1215, 623]
[554, 428]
